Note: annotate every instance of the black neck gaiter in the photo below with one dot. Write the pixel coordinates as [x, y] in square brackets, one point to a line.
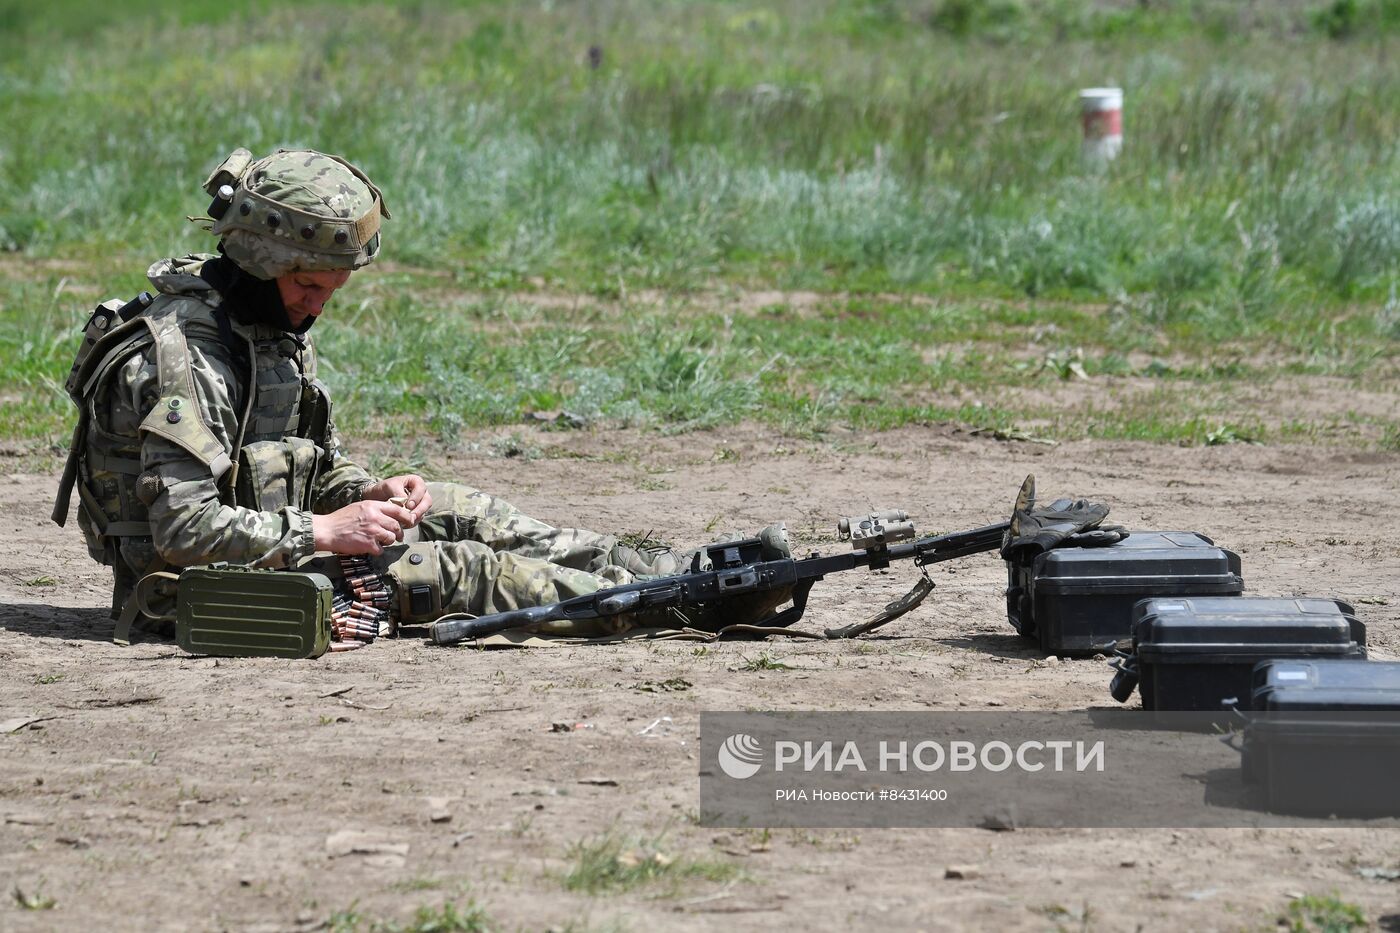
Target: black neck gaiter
[249, 299]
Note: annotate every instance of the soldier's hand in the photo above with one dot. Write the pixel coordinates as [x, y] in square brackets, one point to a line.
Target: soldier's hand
[361, 527]
[410, 488]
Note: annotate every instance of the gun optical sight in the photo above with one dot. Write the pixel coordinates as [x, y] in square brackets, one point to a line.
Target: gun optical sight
[876, 530]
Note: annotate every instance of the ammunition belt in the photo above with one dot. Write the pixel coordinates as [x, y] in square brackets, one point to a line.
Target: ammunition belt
[361, 604]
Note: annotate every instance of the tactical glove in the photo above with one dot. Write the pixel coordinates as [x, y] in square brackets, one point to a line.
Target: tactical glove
[1064, 522]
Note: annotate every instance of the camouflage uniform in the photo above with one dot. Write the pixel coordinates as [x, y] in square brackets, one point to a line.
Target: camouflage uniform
[204, 438]
[478, 554]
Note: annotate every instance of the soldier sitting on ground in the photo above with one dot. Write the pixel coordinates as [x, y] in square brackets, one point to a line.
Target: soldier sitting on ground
[205, 436]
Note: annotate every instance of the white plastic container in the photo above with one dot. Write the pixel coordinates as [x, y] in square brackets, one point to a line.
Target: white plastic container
[1101, 109]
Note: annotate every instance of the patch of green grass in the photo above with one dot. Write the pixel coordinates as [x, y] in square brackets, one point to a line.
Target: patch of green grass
[345, 921]
[764, 662]
[447, 918]
[1390, 438]
[33, 900]
[513, 445]
[669, 685]
[641, 540]
[609, 863]
[1314, 913]
[409, 885]
[1227, 434]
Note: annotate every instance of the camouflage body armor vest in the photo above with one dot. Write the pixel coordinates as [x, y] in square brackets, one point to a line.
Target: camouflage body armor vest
[282, 410]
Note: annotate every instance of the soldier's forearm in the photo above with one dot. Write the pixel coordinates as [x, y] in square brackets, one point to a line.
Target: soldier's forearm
[343, 484]
[208, 532]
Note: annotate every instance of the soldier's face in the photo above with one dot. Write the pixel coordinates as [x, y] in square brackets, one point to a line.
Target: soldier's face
[305, 294]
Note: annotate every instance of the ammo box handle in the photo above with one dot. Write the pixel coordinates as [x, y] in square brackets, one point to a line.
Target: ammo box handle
[1358, 630]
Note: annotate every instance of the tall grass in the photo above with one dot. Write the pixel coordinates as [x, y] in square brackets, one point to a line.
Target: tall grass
[858, 147]
[713, 143]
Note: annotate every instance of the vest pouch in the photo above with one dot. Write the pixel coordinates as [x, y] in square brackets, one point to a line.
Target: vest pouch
[103, 550]
[315, 413]
[275, 474]
[109, 510]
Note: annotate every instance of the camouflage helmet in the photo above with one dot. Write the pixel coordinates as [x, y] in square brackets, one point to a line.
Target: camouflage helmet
[297, 209]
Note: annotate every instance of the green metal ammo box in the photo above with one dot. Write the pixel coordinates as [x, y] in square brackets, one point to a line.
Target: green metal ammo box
[238, 612]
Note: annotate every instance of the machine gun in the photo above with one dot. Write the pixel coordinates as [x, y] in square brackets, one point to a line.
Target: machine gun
[733, 568]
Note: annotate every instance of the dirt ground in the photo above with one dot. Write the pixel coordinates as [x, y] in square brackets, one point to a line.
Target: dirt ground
[161, 791]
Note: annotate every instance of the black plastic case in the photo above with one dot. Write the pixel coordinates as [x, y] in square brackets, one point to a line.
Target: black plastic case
[1199, 653]
[1324, 737]
[1079, 600]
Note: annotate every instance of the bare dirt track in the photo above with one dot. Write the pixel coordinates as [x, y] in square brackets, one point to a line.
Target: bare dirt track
[162, 791]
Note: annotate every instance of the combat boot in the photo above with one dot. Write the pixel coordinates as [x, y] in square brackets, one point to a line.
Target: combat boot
[651, 560]
[660, 561]
[775, 542]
